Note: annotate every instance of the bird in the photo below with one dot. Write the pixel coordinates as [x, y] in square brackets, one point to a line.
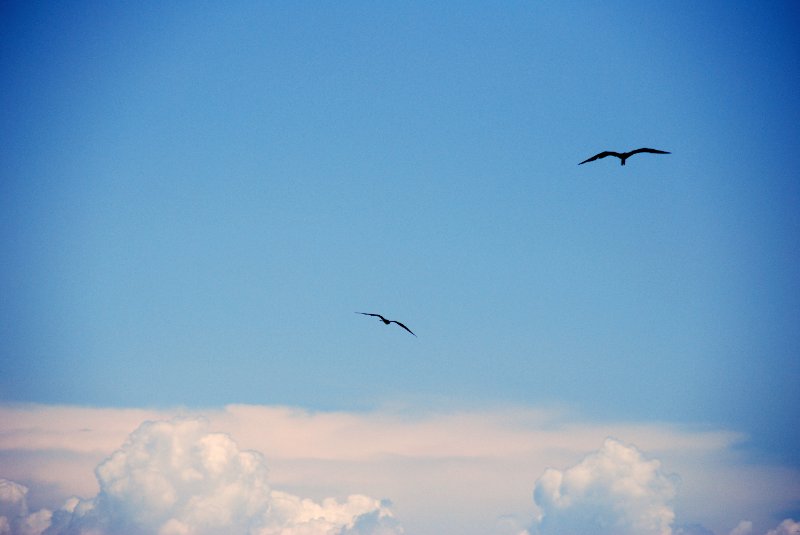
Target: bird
[385, 321]
[622, 156]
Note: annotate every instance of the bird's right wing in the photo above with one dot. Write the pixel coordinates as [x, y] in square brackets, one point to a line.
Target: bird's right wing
[600, 155]
[403, 326]
[368, 314]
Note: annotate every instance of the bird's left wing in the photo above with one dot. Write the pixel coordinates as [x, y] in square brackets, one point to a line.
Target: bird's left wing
[653, 151]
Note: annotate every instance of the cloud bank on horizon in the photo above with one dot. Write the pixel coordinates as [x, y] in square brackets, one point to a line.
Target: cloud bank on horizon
[174, 475]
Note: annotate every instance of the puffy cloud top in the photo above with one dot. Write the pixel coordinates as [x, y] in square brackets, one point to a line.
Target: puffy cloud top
[787, 527]
[745, 527]
[614, 490]
[12, 500]
[14, 517]
[176, 478]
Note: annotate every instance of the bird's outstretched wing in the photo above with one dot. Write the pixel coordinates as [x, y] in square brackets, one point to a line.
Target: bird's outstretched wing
[368, 314]
[403, 326]
[601, 155]
[644, 149]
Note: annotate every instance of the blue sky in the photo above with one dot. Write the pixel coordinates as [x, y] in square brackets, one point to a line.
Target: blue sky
[196, 200]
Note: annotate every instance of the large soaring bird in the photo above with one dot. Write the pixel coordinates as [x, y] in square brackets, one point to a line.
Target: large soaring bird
[385, 321]
[622, 156]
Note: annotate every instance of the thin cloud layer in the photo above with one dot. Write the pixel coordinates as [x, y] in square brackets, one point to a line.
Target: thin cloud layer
[176, 478]
[614, 490]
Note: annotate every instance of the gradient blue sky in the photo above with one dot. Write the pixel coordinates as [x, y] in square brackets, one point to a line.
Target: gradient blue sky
[197, 198]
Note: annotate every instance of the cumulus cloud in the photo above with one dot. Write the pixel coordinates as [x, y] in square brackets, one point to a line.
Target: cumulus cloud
[787, 527]
[177, 478]
[14, 516]
[358, 515]
[12, 503]
[614, 490]
[745, 527]
[476, 467]
[174, 477]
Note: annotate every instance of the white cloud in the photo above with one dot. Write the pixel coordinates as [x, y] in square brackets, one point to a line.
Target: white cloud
[358, 515]
[787, 527]
[745, 527]
[176, 478]
[14, 516]
[614, 490]
[12, 499]
[176, 474]
[457, 471]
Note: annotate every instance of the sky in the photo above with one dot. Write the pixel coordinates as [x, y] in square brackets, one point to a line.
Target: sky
[196, 199]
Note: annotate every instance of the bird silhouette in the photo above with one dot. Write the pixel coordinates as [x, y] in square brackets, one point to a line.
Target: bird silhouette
[385, 321]
[622, 156]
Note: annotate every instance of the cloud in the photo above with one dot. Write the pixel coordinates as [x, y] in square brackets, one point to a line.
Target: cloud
[14, 516]
[745, 527]
[449, 471]
[172, 475]
[787, 527]
[692, 529]
[358, 515]
[614, 490]
[177, 478]
[12, 500]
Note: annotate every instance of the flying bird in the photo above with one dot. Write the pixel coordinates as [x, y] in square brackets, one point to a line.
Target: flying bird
[385, 321]
[622, 156]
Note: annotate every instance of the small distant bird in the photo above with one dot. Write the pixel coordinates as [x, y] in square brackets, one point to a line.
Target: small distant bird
[385, 321]
[622, 156]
